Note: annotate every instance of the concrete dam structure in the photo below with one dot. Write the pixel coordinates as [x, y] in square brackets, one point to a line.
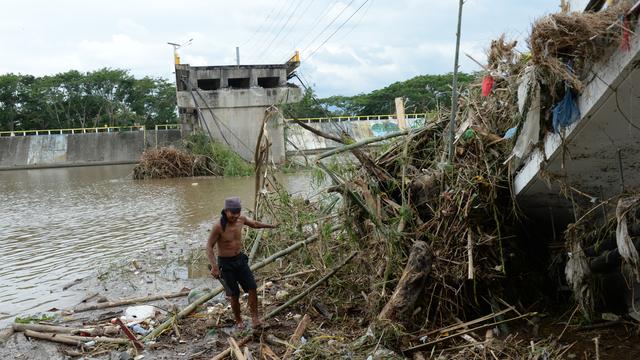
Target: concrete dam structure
[229, 103]
[81, 149]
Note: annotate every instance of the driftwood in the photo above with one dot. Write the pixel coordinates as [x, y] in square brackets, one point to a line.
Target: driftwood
[98, 339]
[186, 311]
[295, 338]
[364, 159]
[226, 353]
[235, 348]
[92, 331]
[58, 338]
[361, 143]
[274, 340]
[297, 298]
[73, 339]
[267, 352]
[466, 325]
[131, 301]
[414, 276]
[425, 345]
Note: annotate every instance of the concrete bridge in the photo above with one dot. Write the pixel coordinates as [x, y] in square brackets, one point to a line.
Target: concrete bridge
[598, 155]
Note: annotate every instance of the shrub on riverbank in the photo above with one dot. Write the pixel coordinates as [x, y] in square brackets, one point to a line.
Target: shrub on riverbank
[229, 163]
[201, 157]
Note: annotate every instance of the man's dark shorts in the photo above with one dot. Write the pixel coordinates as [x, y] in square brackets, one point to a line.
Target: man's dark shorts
[235, 270]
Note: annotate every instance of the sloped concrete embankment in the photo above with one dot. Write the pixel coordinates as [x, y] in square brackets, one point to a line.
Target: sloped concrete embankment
[43, 151]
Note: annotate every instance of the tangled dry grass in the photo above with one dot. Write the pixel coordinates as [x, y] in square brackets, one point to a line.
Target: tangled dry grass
[387, 202]
[166, 163]
[564, 45]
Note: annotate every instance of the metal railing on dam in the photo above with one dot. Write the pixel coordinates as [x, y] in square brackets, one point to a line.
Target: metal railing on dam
[299, 141]
[86, 130]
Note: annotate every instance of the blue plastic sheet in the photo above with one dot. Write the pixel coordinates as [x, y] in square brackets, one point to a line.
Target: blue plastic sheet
[566, 112]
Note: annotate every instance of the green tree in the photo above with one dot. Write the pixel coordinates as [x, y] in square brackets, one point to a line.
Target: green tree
[309, 106]
[74, 99]
[422, 94]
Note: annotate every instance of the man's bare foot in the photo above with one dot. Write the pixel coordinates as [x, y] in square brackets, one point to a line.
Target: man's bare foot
[256, 324]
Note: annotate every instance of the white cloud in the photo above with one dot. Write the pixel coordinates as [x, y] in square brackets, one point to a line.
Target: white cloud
[391, 41]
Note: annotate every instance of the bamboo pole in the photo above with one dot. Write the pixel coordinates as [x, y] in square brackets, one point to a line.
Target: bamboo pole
[93, 331]
[98, 339]
[296, 298]
[186, 311]
[361, 143]
[454, 95]
[130, 301]
[422, 346]
[62, 339]
[235, 348]
[256, 244]
[226, 353]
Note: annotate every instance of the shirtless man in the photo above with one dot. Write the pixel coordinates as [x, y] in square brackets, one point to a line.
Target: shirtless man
[232, 266]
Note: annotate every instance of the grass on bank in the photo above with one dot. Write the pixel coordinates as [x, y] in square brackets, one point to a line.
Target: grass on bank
[230, 163]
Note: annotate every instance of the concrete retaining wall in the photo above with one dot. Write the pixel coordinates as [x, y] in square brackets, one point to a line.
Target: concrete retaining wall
[300, 140]
[42, 151]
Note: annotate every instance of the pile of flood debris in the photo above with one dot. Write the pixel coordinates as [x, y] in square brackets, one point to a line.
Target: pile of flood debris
[166, 163]
[407, 253]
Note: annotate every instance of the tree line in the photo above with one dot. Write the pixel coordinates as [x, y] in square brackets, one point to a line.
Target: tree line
[75, 99]
[113, 97]
[421, 94]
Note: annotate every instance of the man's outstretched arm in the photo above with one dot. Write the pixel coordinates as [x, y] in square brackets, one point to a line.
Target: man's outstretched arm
[258, 225]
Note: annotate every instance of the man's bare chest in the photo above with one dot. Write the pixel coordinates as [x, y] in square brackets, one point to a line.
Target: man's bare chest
[231, 234]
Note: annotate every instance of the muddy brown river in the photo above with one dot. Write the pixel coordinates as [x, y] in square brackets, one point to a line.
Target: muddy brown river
[58, 225]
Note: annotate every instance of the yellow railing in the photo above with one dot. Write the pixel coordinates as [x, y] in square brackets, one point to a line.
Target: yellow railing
[73, 130]
[91, 130]
[167, 126]
[359, 118]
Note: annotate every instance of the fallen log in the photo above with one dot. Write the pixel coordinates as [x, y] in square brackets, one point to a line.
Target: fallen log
[295, 338]
[361, 143]
[297, 298]
[186, 311]
[98, 339]
[364, 159]
[92, 331]
[58, 338]
[74, 339]
[400, 306]
[130, 301]
[226, 353]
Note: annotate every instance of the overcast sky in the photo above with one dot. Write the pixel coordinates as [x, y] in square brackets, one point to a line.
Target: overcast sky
[383, 42]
